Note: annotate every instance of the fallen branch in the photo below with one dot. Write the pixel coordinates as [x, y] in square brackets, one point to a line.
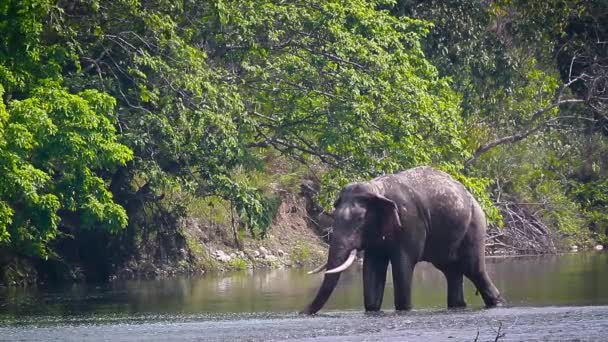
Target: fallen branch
[499, 334]
[523, 232]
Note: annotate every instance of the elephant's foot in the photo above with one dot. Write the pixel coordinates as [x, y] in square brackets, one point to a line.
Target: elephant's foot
[495, 302]
[374, 313]
[487, 290]
[458, 304]
[403, 307]
[372, 308]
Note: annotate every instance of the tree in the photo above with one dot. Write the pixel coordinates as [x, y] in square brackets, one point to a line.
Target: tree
[203, 87]
[530, 73]
[55, 145]
[343, 84]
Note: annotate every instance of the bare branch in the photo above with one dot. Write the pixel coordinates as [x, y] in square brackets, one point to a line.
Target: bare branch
[335, 58]
[499, 334]
[522, 135]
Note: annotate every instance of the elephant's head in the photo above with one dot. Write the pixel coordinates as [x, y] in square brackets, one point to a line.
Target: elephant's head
[363, 217]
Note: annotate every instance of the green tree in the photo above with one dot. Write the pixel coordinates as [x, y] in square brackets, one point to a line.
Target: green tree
[55, 145]
[203, 87]
[340, 83]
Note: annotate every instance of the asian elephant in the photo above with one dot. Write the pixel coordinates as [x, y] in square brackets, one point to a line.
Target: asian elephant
[421, 214]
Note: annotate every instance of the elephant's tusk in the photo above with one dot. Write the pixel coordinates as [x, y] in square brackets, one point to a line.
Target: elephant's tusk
[318, 269]
[346, 264]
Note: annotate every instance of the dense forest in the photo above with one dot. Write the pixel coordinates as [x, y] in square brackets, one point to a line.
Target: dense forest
[121, 118]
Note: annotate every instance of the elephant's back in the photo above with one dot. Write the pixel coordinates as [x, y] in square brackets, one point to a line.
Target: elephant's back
[436, 187]
[441, 198]
[447, 204]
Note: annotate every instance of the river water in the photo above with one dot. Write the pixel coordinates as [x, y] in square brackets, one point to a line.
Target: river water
[549, 297]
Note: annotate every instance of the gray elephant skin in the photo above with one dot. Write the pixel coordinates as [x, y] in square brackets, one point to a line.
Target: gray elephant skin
[421, 214]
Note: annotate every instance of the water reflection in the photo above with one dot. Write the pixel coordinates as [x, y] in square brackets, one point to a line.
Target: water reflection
[574, 279]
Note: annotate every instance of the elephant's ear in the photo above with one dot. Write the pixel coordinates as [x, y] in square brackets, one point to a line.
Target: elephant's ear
[391, 207]
[390, 214]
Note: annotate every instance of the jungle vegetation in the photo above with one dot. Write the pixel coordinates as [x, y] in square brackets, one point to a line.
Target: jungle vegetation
[114, 112]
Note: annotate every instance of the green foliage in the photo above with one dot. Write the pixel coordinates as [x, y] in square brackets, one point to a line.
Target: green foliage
[203, 85]
[200, 96]
[465, 45]
[212, 208]
[343, 84]
[55, 144]
[502, 59]
[300, 254]
[547, 176]
[351, 87]
[238, 263]
[24, 59]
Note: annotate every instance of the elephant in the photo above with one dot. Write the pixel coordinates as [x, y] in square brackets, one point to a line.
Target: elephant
[421, 214]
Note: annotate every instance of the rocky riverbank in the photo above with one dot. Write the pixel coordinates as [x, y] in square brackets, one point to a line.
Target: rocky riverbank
[190, 245]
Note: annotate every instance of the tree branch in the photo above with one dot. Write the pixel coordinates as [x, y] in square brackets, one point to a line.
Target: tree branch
[522, 135]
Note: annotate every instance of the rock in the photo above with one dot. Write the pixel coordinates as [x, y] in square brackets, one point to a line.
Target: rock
[281, 253]
[256, 254]
[241, 254]
[232, 255]
[224, 258]
[184, 253]
[270, 257]
[221, 256]
[574, 248]
[264, 251]
[598, 247]
[288, 263]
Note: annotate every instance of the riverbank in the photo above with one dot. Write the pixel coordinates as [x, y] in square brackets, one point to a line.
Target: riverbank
[192, 245]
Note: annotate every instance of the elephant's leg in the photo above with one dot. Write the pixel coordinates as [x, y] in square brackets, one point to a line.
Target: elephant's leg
[455, 290]
[374, 279]
[475, 270]
[473, 262]
[403, 268]
[489, 292]
[453, 275]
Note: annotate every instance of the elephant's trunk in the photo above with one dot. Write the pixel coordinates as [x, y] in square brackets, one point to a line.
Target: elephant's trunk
[337, 256]
[329, 284]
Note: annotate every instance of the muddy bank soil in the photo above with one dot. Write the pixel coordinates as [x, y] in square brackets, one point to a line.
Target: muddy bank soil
[587, 323]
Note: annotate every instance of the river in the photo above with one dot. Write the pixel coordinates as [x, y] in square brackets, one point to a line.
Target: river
[559, 297]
